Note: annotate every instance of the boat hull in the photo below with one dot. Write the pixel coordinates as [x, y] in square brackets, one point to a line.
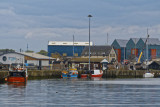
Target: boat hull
[148, 75]
[17, 79]
[74, 76]
[71, 73]
[65, 76]
[91, 75]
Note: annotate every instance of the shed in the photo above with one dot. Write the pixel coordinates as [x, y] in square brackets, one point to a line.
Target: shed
[153, 48]
[131, 49]
[154, 65]
[119, 46]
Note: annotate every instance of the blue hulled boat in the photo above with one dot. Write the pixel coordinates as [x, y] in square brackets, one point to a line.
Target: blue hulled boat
[71, 73]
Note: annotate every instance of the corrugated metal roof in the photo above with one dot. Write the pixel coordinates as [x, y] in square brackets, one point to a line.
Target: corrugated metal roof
[152, 41]
[122, 42]
[66, 43]
[97, 50]
[37, 56]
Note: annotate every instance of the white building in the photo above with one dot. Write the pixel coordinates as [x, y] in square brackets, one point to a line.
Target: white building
[28, 58]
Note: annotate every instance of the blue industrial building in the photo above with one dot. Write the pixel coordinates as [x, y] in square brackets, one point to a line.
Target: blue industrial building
[153, 45]
[119, 46]
[131, 49]
[67, 49]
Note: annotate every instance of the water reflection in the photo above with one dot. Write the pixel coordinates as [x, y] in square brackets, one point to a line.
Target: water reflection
[75, 92]
[17, 85]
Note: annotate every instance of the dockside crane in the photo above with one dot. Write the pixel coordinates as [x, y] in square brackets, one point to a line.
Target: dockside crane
[143, 48]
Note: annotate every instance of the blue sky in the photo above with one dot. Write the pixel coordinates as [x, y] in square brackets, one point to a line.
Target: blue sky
[38, 21]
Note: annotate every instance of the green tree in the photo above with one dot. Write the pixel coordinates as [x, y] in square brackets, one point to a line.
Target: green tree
[7, 50]
[29, 51]
[43, 52]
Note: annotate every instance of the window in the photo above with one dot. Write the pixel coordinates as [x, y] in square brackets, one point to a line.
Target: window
[86, 53]
[64, 54]
[76, 54]
[4, 58]
[103, 53]
[112, 55]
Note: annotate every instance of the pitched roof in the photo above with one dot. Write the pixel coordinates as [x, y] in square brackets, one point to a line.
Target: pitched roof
[152, 41]
[37, 56]
[33, 55]
[97, 50]
[122, 42]
[158, 62]
[86, 60]
[135, 40]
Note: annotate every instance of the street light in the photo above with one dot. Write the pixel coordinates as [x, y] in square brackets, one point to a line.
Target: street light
[89, 41]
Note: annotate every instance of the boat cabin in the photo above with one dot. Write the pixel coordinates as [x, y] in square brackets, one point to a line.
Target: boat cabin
[17, 74]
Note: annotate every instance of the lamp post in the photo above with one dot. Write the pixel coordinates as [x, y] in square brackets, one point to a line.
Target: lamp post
[89, 16]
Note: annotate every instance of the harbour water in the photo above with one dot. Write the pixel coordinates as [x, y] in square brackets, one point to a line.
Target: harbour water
[82, 93]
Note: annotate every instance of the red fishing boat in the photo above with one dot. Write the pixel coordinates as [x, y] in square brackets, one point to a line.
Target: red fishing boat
[17, 75]
[92, 73]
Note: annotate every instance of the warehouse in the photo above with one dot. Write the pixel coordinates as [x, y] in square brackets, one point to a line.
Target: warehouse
[66, 49]
[153, 45]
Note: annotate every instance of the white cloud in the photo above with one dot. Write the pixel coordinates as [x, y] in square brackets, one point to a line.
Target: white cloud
[35, 23]
[8, 12]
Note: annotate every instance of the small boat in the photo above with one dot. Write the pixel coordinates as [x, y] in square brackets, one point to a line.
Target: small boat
[64, 74]
[17, 75]
[148, 75]
[92, 73]
[71, 73]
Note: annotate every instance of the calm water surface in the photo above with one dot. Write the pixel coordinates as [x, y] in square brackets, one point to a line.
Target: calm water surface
[82, 93]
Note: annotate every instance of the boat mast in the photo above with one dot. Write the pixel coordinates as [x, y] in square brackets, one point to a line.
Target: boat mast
[73, 45]
[73, 52]
[147, 49]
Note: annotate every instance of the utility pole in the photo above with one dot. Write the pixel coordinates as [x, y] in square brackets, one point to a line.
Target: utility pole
[27, 46]
[89, 16]
[107, 38]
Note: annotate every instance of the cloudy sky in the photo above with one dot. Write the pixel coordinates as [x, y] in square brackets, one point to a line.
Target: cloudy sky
[35, 22]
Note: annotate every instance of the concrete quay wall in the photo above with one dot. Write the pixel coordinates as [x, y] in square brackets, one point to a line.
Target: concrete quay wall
[106, 74]
[128, 73]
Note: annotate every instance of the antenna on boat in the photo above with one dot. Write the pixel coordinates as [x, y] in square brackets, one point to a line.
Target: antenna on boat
[73, 53]
[147, 47]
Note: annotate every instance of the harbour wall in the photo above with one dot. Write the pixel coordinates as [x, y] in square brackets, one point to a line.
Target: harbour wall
[128, 73]
[107, 74]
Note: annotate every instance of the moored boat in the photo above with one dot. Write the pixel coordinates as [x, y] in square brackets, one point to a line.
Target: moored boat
[71, 73]
[17, 75]
[64, 74]
[92, 73]
[148, 75]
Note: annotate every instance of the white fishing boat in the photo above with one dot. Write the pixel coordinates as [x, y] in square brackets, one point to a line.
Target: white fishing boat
[148, 75]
